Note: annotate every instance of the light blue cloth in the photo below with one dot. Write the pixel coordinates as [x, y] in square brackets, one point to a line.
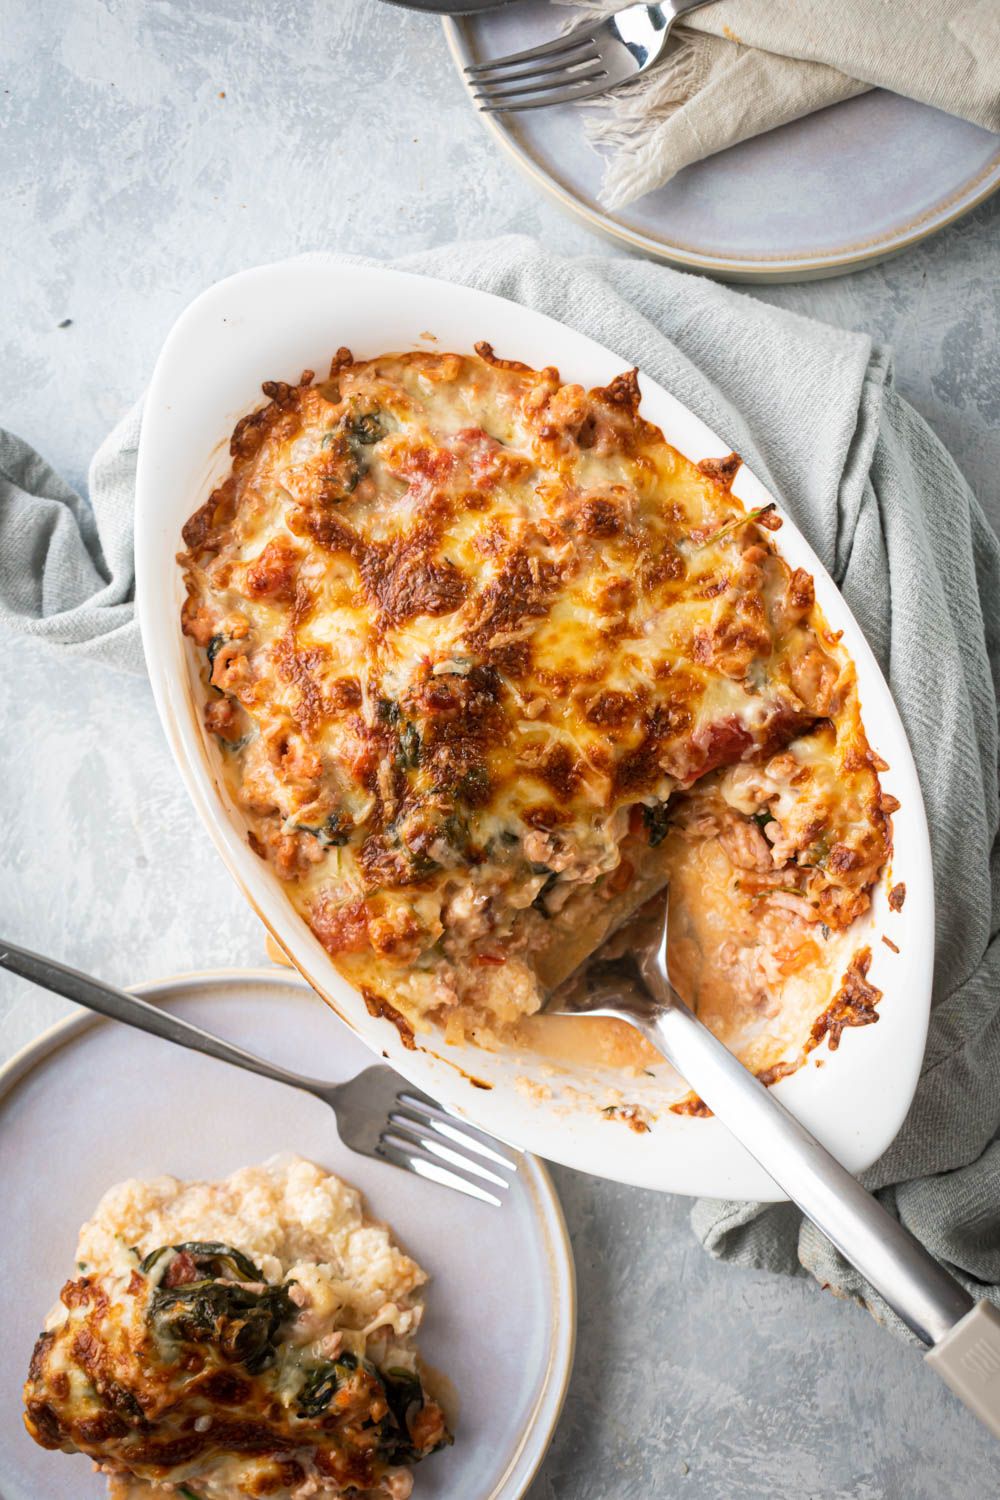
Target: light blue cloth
[814, 412]
[67, 575]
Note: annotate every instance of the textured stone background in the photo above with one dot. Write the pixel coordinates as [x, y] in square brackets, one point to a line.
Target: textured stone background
[130, 183]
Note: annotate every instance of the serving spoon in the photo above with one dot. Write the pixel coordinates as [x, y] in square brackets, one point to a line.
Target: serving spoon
[635, 986]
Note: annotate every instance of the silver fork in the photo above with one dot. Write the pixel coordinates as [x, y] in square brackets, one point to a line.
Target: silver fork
[629, 979]
[378, 1113]
[590, 59]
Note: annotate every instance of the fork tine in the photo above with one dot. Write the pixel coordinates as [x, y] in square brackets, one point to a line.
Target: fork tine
[401, 1135]
[465, 1141]
[409, 1091]
[580, 52]
[585, 30]
[410, 1098]
[553, 96]
[433, 1171]
[458, 1130]
[490, 95]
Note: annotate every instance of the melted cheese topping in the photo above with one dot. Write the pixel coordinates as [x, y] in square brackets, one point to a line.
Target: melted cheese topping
[155, 1363]
[475, 640]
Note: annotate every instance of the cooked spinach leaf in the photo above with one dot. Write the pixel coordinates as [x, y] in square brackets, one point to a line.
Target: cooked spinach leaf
[403, 1394]
[402, 1391]
[242, 1321]
[213, 648]
[539, 901]
[818, 854]
[233, 747]
[405, 1397]
[365, 429]
[322, 1383]
[409, 745]
[333, 833]
[342, 470]
[657, 821]
[454, 830]
[211, 1257]
[336, 831]
[242, 1324]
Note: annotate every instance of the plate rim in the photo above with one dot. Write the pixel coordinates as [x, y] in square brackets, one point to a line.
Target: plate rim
[527, 1457]
[722, 267]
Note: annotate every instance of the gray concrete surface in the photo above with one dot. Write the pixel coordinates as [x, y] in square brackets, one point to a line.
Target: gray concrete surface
[129, 183]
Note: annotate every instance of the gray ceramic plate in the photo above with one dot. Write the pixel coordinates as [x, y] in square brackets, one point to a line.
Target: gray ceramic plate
[90, 1103]
[830, 193]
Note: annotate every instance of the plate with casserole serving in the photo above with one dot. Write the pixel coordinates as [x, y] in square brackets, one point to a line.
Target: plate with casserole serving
[206, 1305]
[468, 639]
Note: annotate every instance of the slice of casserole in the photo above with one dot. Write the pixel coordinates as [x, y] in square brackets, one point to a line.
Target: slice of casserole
[488, 660]
[253, 1336]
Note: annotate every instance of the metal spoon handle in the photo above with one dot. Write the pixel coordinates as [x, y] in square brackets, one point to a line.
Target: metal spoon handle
[916, 1287]
[964, 1334]
[117, 1005]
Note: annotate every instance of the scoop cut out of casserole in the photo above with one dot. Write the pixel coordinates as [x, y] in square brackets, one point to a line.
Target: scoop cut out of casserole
[488, 662]
[253, 1336]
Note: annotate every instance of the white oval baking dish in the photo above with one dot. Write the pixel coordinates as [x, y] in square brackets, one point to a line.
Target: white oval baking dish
[273, 322]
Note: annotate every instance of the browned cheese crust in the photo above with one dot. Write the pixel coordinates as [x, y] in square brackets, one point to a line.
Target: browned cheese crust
[161, 1393]
[488, 660]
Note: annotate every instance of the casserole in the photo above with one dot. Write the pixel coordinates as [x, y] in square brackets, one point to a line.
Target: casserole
[260, 1334]
[278, 320]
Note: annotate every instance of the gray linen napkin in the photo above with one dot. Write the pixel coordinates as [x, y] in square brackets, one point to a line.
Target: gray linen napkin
[814, 412]
[66, 569]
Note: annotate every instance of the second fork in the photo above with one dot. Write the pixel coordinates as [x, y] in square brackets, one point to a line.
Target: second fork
[591, 58]
[378, 1114]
